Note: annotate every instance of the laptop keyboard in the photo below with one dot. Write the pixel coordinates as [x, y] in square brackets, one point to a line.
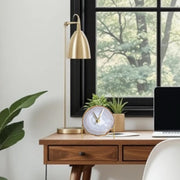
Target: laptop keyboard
[171, 132]
[166, 134]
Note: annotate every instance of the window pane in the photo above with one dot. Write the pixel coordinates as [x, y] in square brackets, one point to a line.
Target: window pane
[126, 3]
[125, 54]
[170, 49]
[170, 3]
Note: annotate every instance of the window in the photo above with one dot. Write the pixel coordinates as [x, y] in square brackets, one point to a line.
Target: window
[135, 47]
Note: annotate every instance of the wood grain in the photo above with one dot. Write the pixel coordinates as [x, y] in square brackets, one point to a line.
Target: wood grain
[87, 172]
[86, 139]
[65, 149]
[83, 153]
[76, 172]
[136, 152]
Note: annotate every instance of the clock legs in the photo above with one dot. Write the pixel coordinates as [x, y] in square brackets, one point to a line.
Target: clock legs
[78, 170]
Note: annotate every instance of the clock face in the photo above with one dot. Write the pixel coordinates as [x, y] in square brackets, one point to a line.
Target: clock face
[98, 120]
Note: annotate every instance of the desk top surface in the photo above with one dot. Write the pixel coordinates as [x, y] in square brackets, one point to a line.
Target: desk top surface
[91, 139]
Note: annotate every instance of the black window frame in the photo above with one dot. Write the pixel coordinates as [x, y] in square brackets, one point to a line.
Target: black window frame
[83, 72]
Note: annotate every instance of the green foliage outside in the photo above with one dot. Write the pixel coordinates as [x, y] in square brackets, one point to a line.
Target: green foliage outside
[11, 133]
[126, 49]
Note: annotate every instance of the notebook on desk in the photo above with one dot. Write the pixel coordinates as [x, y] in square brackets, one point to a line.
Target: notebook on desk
[166, 112]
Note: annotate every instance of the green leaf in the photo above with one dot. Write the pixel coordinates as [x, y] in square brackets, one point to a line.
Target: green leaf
[12, 115]
[117, 106]
[7, 115]
[3, 116]
[11, 134]
[96, 101]
[25, 102]
[2, 178]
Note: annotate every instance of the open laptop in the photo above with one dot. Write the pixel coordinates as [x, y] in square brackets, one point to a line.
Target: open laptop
[166, 112]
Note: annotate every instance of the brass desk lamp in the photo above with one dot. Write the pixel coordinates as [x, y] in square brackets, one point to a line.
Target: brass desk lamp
[78, 49]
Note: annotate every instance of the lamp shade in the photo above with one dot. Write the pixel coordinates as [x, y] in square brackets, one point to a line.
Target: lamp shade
[79, 46]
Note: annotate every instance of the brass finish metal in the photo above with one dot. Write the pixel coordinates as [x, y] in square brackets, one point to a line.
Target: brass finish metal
[71, 130]
[79, 46]
[78, 49]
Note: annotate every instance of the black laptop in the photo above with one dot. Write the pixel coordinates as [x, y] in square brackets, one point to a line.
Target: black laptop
[166, 112]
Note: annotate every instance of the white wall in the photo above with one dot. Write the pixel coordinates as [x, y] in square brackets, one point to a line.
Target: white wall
[31, 60]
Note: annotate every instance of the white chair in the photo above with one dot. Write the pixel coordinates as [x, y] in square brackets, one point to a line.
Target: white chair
[163, 162]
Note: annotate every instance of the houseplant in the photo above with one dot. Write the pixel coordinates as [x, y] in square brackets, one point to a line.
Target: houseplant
[96, 101]
[117, 107]
[11, 133]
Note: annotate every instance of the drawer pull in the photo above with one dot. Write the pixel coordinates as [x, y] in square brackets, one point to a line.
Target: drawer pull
[82, 153]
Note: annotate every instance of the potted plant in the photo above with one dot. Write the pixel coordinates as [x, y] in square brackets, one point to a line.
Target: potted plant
[117, 107]
[11, 133]
[96, 101]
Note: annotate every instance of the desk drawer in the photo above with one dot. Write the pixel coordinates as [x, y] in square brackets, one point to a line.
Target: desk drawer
[86, 153]
[136, 153]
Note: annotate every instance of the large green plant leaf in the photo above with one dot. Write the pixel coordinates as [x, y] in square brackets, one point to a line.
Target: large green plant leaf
[7, 115]
[25, 102]
[2, 178]
[11, 134]
[3, 116]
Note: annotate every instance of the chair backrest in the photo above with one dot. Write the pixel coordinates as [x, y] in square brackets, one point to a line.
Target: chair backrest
[163, 162]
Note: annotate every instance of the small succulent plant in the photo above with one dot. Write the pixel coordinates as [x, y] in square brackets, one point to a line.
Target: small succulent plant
[117, 105]
[96, 101]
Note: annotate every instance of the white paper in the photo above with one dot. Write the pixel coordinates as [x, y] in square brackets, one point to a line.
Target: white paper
[122, 134]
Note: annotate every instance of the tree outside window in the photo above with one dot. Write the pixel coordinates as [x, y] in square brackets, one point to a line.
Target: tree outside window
[135, 46]
[126, 48]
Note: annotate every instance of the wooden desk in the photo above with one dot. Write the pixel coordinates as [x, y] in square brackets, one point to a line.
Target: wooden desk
[82, 152]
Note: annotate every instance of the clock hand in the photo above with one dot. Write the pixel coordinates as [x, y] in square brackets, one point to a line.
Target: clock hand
[98, 119]
[95, 116]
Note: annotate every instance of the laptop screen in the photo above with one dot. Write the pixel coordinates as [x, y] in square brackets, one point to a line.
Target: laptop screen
[167, 108]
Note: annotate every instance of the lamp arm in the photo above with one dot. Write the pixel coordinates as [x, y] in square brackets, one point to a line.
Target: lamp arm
[78, 22]
[69, 23]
